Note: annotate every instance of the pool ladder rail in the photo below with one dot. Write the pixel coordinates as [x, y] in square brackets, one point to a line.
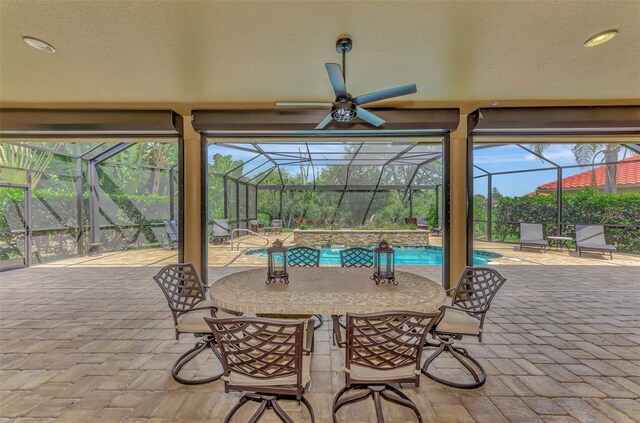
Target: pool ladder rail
[248, 232]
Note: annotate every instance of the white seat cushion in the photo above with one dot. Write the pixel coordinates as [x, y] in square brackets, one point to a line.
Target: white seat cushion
[239, 379]
[458, 321]
[193, 321]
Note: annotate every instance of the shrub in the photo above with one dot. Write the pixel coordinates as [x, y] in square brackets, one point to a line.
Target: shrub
[584, 206]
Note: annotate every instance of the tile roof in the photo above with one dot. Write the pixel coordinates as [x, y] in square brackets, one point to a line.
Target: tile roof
[628, 174]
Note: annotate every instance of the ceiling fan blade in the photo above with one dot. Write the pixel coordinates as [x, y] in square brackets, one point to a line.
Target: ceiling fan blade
[337, 80]
[369, 117]
[324, 122]
[302, 104]
[385, 94]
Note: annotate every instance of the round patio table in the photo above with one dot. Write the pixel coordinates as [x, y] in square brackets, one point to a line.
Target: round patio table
[325, 290]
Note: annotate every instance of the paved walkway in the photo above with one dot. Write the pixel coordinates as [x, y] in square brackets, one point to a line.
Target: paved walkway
[93, 342]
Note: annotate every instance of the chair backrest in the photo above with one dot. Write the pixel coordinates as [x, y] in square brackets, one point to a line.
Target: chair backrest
[531, 232]
[276, 223]
[590, 235]
[356, 257]
[221, 227]
[181, 285]
[387, 340]
[260, 348]
[303, 256]
[172, 230]
[476, 288]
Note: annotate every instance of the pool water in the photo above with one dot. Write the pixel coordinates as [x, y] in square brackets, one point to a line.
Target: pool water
[408, 256]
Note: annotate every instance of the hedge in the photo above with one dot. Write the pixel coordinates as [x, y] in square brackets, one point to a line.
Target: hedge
[584, 206]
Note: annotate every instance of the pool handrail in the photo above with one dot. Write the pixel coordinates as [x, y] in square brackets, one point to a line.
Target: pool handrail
[235, 231]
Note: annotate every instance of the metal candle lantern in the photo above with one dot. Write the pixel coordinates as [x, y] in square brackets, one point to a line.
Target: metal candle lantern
[383, 264]
[277, 263]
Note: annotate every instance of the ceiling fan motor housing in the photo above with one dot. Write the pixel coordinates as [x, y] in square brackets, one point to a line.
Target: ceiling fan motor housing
[344, 111]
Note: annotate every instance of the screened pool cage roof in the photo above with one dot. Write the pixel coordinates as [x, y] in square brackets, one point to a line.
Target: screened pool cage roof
[87, 150]
[508, 158]
[327, 164]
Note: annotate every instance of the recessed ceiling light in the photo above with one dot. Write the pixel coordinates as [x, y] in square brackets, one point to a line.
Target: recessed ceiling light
[39, 44]
[601, 38]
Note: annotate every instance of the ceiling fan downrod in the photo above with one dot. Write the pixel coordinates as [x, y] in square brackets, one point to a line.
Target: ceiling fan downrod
[344, 46]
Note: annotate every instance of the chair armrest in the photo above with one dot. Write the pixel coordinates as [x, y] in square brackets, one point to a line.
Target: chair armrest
[308, 347]
[479, 312]
[336, 331]
[213, 310]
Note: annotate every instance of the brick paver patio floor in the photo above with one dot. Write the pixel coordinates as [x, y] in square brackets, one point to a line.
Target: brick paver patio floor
[87, 343]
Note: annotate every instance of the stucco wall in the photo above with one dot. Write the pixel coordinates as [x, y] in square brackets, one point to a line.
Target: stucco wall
[398, 238]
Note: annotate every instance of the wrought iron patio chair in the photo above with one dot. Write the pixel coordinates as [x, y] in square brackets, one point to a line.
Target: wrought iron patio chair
[591, 238]
[220, 231]
[465, 316]
[265, 359]
[303, 256]
[186, 296]
[171, 228]
[532, 235]
[382, 349]
[356, 257]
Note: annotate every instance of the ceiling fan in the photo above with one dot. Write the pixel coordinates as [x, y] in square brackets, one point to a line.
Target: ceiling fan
[345, 108]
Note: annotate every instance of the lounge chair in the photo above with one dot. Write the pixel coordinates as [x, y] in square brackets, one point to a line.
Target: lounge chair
[220, 231]
[421, 222]
[276, 225]
[591, 238]
[255, 226]
[531, 235]
[172, 233]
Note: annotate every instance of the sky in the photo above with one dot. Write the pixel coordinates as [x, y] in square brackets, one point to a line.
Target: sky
[512, 157]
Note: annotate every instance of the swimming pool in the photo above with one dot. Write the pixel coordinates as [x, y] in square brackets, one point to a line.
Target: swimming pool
[408, 256]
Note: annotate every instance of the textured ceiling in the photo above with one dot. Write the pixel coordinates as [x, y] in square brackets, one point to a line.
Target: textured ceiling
[168, 52]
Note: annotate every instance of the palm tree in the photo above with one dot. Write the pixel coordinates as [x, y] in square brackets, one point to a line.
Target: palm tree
[586, 154]
[16, 156]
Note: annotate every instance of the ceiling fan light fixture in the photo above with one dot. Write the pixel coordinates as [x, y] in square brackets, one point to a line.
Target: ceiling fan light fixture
[344, 111]
[601, 38]
[39, 44]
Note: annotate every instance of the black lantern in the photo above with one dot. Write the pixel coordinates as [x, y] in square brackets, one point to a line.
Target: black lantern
[277, 263]
[383, 264]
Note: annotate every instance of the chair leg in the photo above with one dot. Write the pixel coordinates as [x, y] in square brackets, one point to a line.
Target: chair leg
[306, 403]
[378, 392]
[207, 342]
[267, 402]
[318, 319]
[463, 356]
[239, 404]
[401, 399]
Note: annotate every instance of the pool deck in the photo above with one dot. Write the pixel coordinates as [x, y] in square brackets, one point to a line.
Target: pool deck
[222, 256]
